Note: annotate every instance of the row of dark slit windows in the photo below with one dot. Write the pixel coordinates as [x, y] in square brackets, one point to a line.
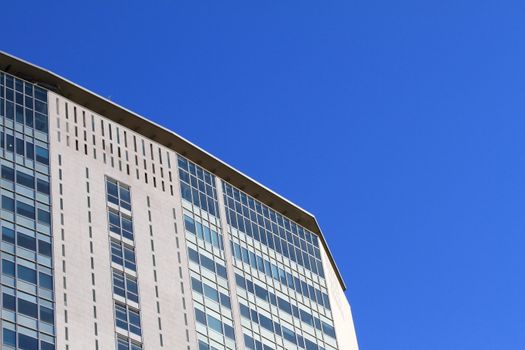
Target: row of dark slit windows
[25, 103]
[21, 178]
[24, 148]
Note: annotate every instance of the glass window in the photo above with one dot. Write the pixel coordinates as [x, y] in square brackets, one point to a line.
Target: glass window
[8, 173]
[9, 302]
[25, 179]
[46, 281]
[30, 150]
[20, 145]
[46, 346]
[125, 286]
[26, 241]
[8, 268]
[27, 308]
[189, 224]
[26, 274]
[200, 316]
[229, 332]
[214, 324]
[42, 186]
[8, 203]
[42, 155]
[123, 255]
[225, 300]
[44, 248]
[127, 318]
[46, 315]
[25, 210]
[196, 285]
[210, 293]
[9, 337]
[26, 342]
[44, 217]
[8, 235]
[41, 122]
[221, 271]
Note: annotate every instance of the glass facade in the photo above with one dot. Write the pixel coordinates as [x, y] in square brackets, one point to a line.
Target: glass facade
[207, 261]
[278, 274]
[281, 288]
[26, 246]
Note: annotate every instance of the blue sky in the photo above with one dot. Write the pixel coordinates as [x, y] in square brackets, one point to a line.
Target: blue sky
[398, 123]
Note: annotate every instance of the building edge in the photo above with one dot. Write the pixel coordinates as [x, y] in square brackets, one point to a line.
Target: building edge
[111, 110]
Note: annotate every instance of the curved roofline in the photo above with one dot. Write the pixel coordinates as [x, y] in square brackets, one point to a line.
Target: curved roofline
[109, 109]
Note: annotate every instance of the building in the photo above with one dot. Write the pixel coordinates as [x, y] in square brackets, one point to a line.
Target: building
[119, 234]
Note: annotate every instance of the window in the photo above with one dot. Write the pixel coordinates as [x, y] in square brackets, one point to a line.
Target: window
[210, 293]
[27, 308]
[42, 186]
[25, 179]
[46, 281]
[26, 241]
[120, 224]
[125, 286]
[196, 285]
[127, 318]
[214, 324]
[8, 173]
[44, 248]
[30, 150]
[126, 344]
[42, 155]
[46, 315]
[225, 300]
[44, 217]
[9, 302]
[123, 255]
[25, 210]
[8, 268]
[26, 342]
[118, 194]
[200, 316]
[20, 146]
[41, 122]
[9, 337]
[8, 235]
[26, 274]
[8, 204]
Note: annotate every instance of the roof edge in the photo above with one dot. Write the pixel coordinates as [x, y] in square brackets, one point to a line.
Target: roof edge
[111, 110]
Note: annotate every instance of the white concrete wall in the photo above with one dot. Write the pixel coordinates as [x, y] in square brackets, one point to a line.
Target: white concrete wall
[341, 311]
[76, 244]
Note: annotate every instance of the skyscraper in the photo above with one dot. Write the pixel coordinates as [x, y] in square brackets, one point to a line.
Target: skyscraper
[119, 234]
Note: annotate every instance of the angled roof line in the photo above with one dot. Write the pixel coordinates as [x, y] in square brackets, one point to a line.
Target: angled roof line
[109, 109]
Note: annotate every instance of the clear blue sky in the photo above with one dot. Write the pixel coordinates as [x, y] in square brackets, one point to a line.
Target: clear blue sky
[400, 124]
